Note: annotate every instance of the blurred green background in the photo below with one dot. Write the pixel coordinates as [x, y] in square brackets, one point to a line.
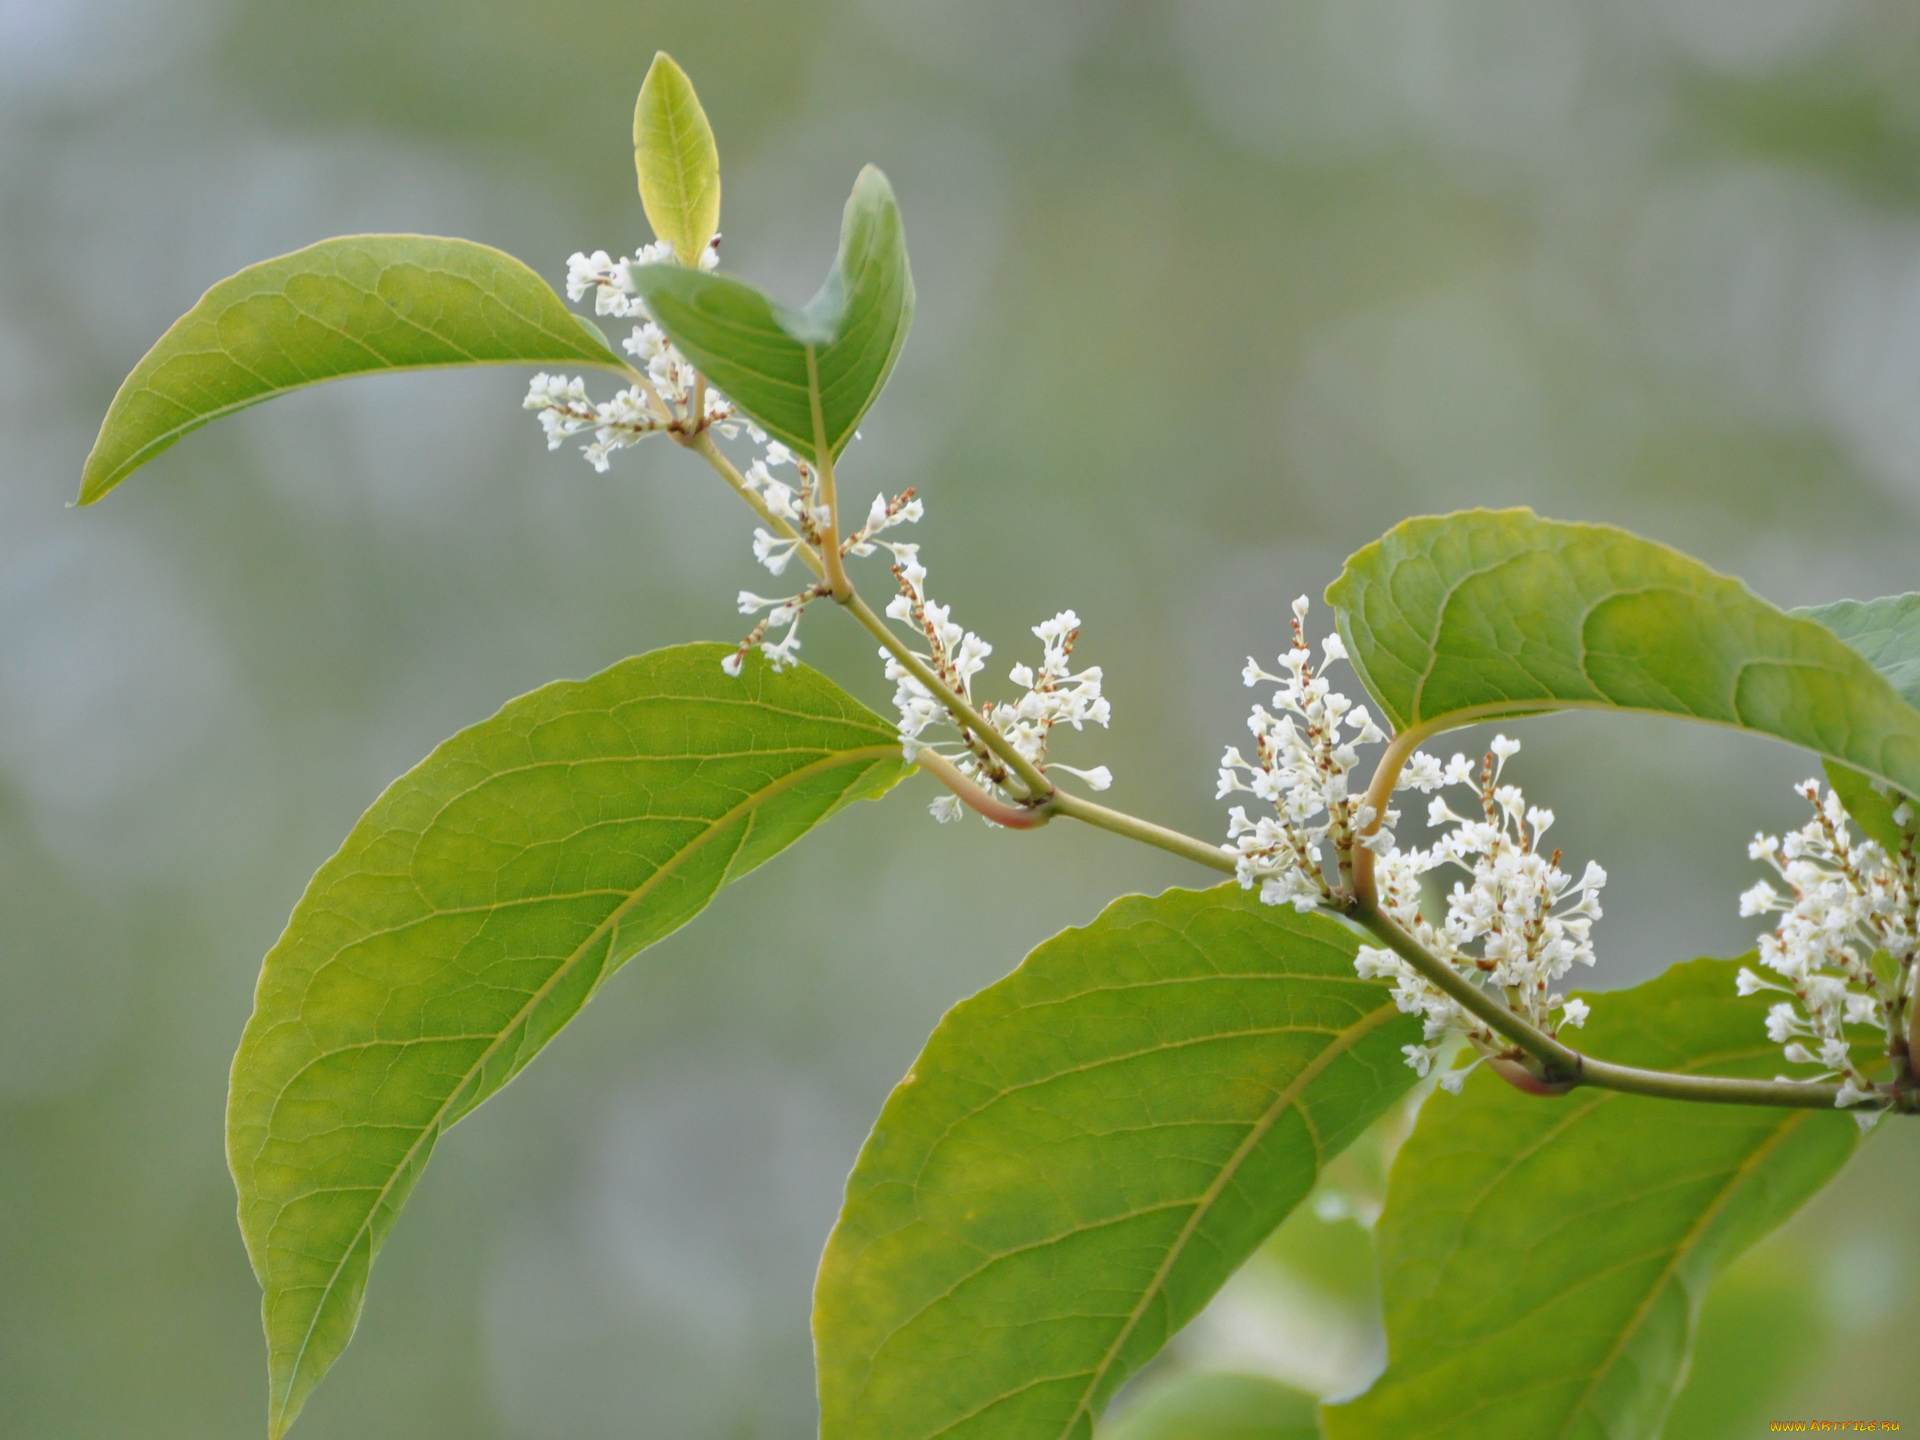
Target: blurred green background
[1213, 291]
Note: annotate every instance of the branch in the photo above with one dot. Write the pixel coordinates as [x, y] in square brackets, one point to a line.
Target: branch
[1039, 789]
[1559, 1067]
[980, 801]
[823, 458]
[702, 445]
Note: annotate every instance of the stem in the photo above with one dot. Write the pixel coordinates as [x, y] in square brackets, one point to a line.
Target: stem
[1561, 1067]
[823, 459]
[1712, 1089]
[662, 411]
[992, 807]
[1040, 790]
[1906, 1061]
[1379, 795]
[1560, 1062]
[1214, 857]
[703, 446]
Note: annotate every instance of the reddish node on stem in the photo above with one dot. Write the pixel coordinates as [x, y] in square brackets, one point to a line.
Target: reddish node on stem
[1516, 1074]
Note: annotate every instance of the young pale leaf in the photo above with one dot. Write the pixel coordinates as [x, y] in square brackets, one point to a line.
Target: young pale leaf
[1080, 1157]
[1218, 1405]
[806, 375]
[1887, 633]
[1492, 613]
[472, 912]
[679, 165]
[348, 306]
[1543, 1261]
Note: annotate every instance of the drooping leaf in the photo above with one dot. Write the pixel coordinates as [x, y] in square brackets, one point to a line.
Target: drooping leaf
[1080, 1157]
[1887, 633]
[348, 306]
[678, 163]
[1217, 1405]
[473, 910]
[1544, 1261]
[806, 375]
[1492, 613]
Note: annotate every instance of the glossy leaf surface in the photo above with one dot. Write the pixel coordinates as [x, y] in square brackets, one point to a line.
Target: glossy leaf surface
[1491, 613]
[1218, 1405]
[473, 910]
[1082, 1155]
[1544, 1261]
[677, 161]
[806, 375]
[355, 305]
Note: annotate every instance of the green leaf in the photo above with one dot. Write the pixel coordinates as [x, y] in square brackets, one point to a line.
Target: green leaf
[348, 306]
[679, 166]
[1886, 632]
[473, 910]
[1870, 810]
[1544, 1261]
[806, 375]
[1763, 1330]
[1083, 1153]
[1492, 613]
[1217, 1405]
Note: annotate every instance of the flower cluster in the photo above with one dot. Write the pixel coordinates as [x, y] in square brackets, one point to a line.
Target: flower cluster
[1054, 693]
[670, 396]
[1301, 764]
[1517, 924]
[1845, 945]
[801, 512]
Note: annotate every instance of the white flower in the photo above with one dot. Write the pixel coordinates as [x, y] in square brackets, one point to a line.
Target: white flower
[1846, 901]
[1515, 925]
[672, 397]
[1054, 695]
[1301, 762]
[1098, 778]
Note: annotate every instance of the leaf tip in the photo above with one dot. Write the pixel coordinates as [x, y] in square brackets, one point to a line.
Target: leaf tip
[662, 61]
[872, 182]
[95, 481]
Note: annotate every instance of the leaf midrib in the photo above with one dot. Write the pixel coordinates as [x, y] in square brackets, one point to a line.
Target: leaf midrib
[606, 927]
[676, 138]
[1683, 1246]
[1736, 1180]
[278, 289]
[1204, 1203]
